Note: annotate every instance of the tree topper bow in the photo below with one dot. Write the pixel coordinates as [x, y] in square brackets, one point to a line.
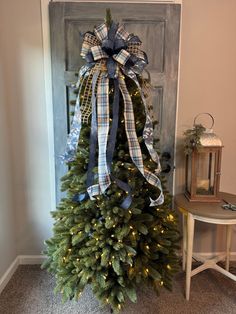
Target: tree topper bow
[116, 46]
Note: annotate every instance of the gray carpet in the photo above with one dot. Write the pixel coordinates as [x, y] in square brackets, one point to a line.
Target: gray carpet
[30, 291]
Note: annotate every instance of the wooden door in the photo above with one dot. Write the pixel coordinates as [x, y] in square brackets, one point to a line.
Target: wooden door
[157, 25]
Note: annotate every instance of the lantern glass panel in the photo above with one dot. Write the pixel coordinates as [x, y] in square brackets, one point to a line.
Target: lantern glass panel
[205, 172]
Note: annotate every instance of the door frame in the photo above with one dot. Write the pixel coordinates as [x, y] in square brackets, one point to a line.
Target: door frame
[48, 79]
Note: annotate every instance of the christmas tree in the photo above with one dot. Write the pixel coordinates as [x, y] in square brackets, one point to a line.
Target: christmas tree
[115, 239]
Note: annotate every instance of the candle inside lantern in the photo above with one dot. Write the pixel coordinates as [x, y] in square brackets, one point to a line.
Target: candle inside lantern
[203, 184]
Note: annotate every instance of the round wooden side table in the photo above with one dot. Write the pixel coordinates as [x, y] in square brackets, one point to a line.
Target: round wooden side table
[210, 213]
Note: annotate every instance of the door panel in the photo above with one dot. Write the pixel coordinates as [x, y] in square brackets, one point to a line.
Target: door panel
[157, 25]
[152, 35]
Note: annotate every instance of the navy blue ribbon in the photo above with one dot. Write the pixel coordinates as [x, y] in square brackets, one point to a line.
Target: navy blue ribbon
[111, 146]
[93, 135]
[108, 45]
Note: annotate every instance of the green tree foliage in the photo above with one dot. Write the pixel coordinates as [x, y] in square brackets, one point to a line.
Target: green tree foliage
[99, 243]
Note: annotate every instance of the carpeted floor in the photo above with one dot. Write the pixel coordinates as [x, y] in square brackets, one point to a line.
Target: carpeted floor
[30, 291]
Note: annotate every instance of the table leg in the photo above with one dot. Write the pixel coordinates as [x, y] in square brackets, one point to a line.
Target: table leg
[190, 235]
[228, 245]
[184, 244]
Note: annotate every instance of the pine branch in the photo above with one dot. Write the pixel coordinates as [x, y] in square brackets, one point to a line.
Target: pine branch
[108, 19]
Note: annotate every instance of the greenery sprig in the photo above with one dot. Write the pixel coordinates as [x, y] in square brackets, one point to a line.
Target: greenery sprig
[192, 138]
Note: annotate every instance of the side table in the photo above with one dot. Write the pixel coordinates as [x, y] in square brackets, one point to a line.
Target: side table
[210, 213]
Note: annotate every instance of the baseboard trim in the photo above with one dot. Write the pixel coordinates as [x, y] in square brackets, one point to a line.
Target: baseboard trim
[8, 274]
[31, 259]
[19, 260]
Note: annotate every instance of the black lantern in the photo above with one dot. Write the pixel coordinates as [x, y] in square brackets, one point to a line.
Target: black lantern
[203, 166]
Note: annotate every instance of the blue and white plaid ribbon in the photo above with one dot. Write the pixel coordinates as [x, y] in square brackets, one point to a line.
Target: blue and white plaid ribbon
[148, 128]
[103, 130]
[134, 147]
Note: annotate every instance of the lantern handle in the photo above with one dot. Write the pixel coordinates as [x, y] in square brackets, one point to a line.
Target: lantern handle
[206, 113]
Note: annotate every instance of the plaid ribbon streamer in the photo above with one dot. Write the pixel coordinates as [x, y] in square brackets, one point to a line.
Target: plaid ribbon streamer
[103, 130]
[73, 137]
[148, 128]
[134, 147]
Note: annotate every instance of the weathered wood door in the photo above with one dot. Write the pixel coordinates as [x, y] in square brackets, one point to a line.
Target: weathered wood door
[157, 25]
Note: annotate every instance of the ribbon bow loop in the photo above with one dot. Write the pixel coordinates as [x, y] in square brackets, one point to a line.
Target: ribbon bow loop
[122, 57]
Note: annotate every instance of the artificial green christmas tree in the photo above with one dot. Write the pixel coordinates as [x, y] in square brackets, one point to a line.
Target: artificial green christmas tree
[115, 239]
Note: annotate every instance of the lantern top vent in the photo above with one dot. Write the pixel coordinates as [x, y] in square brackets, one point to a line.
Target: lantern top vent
[210, 139]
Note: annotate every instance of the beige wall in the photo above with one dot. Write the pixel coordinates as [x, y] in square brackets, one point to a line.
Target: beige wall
[7, 217]
[22, 56]
[207, 83]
